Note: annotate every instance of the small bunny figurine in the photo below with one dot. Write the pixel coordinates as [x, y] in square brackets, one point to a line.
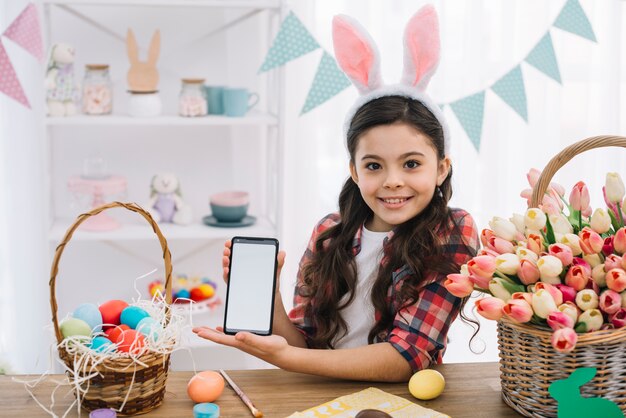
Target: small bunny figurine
[573, 405]
[166, 204]
[143, 76]
[61, 89]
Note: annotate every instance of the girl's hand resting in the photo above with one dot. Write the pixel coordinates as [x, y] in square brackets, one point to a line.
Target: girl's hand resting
[226, 263]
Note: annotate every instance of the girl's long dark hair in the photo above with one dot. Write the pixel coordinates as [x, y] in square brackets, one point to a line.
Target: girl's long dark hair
[331, 273]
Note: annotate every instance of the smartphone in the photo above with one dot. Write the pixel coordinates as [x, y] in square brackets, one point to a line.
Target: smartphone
[251, 285]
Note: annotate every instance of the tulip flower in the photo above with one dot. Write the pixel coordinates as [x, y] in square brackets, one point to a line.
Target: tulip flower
[590, 241]
[613, 262]
[616, 280]
[482, 266]
[618, 319]
[560, 224]
[568, 293]
[543, 303]
[535, 243]
[572, 241]
[528, 272]
[535, 219]
[480, 282]
[608, 248]
[592, 260]
[619, 241]
[562, 252]
[553, 290]
[550, 268]
[579, 197]
[507, 263]
[610, 301]
[490, 308]
[518, 221]
[587, 299]
[527, 296]
[557, 320]
[500, 245]
[570, 309]
[503, 228]
[623, 295]
[485, 235]
[614, 188]
[590, 320]
[498, 289]
[487, 251]
[599, 275]
[459, 285]
[518, 310]
[564, 340]
[533, 176]
[600, 221]
[576, 277]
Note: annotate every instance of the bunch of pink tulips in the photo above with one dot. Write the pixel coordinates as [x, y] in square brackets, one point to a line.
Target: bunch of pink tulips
[562, 271]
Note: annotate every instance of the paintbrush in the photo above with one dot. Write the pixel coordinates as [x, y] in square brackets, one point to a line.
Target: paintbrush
[243, 396]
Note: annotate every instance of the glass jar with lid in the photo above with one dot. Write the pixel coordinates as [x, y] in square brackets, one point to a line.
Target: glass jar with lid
[192, 99]
[97, 90]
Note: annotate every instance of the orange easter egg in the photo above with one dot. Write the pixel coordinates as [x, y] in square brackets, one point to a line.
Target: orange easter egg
[114, 333]
[207, 290]
[206, 386]
[130, 341]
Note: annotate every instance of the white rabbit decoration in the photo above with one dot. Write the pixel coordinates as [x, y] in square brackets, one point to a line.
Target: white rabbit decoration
[61, 88]
[166, 203]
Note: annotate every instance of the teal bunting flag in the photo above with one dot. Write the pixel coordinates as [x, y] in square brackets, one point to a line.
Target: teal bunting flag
[574, 20]
[328, 82]
[511, 89]
[469, 111]
[542, 57]
[292, 41]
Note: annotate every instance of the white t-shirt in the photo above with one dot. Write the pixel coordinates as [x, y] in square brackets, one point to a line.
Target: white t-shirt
[359, 315]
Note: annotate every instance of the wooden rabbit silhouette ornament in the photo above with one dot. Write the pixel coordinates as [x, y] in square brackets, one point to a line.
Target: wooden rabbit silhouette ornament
[143, 76]
[573, 405]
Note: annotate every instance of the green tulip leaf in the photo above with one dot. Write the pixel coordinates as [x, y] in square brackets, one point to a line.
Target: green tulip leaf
[549, 232]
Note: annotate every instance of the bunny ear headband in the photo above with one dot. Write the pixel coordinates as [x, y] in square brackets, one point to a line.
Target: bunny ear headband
[359, 59]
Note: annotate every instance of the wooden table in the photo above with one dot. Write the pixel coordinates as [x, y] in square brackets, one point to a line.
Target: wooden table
[472, 390]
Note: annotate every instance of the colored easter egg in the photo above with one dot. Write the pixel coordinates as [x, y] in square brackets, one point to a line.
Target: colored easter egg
[75, 327]
[111, 312]
[102, 344]
[183, 294]
[209, 282]
[130, 341]
[205, 386]
[427, 384]
[157, 288]
[196, 295]
[89, 313]
[150, 328]
[181, 283]
[132, 315]
[207, 290]
[154, 283]
[114, 333]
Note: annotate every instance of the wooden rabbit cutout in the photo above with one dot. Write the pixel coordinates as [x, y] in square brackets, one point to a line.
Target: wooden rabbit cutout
[573, 405]
[143, 76]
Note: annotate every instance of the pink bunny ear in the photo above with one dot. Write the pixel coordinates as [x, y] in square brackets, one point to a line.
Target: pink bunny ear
[356, 53]
[421, 48]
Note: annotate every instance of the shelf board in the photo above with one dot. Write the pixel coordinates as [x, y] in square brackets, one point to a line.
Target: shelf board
[143, 231]
[250, 4]
[254, 119]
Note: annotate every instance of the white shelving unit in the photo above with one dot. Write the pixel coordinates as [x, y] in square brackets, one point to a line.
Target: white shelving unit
[264, 128]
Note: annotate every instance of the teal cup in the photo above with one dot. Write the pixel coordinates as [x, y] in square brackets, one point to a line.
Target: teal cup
[215, 99]
[237, 102]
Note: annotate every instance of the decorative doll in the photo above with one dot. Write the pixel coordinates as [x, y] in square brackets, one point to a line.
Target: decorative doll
[61, 89]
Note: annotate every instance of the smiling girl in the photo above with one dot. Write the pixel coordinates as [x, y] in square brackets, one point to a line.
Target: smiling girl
[369, 302]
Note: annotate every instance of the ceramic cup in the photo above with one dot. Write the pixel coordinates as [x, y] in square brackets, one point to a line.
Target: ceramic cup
[142, 104]
[238, 101]
[215, 99]
[231, 206]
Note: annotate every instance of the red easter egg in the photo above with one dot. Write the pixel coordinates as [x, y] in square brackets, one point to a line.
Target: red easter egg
[114, 333]
[206, 386]
[154, 283]
[130, 341]
[197, 294]
[111, 312]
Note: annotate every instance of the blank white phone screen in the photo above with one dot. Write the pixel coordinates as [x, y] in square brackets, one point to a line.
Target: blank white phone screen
[251, 290]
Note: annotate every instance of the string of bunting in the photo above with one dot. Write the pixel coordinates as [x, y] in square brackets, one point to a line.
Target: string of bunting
[25, 31]
[294, 40]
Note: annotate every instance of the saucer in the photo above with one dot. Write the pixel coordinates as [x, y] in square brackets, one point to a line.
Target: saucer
[212, 221]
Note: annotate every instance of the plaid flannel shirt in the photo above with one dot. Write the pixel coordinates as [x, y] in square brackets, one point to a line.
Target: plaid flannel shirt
[418, 331]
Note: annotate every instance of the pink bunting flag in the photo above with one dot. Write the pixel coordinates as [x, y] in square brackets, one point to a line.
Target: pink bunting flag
[9, 84]
[26, 32]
